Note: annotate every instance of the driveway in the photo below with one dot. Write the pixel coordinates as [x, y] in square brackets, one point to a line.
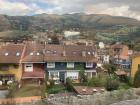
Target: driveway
[3, 93]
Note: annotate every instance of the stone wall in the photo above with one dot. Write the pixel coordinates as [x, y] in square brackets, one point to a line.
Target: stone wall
[105, 98]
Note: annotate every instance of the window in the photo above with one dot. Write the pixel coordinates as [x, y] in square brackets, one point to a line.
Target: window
[15, 66]
[54, 75]
[70, 65]
[89, 53]
[28, 67]
[72, 75]
[89, 65]
[17, 54]
[50, 65]
[38, 53]
[6, 54]
[138, 66]
[4, 67]
[31, 53]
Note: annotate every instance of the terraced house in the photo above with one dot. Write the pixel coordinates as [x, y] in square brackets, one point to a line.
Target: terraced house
[10, 63]
[64, 61]
[31, 62]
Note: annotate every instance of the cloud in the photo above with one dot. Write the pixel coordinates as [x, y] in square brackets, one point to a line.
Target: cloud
[13, 8]
[127, 8]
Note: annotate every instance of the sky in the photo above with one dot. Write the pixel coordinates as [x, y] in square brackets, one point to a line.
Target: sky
[127, 8]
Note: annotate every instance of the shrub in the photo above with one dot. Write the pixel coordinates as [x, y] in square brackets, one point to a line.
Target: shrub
[124, 86]
[12, 89]
[82, 77]
[52, 83]
[110, 68]
[97, 82]
[137, 79]
[112, 84]
[43, 90]
[56, 89]
[69, 84]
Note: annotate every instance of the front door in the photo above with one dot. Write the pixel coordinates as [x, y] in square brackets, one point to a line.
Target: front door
[62, 76]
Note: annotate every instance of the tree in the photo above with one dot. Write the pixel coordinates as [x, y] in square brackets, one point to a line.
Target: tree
[82, 76]
[110, 68]
[69, 84]
[112, 84]
[137, 79]
[55, 40]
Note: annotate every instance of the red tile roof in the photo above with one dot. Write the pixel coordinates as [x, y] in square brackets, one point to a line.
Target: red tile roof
[11, 50]
[69, 53]
[36, 50]
[120, 72]
[35, 74]
[85, 90]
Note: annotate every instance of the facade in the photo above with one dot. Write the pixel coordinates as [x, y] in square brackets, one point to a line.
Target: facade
[10, 66]
[31, 62]
[64, 61]
[135, 64]
[120, 55]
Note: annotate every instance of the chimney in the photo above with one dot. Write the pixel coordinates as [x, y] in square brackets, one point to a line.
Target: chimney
[83, 53]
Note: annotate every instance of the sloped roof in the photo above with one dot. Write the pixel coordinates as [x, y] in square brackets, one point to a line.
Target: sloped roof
[69, 53]
[8, 53]
[36, 50]
[74, 53]
[35, 74]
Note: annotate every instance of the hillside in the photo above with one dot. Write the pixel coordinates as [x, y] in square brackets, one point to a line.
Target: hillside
[66, 21]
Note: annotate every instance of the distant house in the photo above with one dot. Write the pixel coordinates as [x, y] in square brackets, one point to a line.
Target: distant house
[32, 63]
[10, 66]
[121, 56]
[71, 35]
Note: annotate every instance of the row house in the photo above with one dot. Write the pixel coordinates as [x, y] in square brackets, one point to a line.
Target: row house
[66, 61]
[32, 62]
[10, 63]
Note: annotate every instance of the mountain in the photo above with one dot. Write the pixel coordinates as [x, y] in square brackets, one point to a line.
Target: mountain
[65, 21]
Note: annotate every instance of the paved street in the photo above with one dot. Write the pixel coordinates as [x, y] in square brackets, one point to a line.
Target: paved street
[3, 93]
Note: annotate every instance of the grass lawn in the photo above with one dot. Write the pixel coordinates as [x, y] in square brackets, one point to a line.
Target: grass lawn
[60, 88]
[28, 90]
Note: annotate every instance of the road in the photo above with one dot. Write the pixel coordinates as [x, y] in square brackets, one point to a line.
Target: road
[3, 93]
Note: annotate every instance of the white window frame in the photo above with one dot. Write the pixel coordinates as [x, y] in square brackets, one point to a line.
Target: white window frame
[73, 75]
[89, 64]
[28, 69]
[51, 65]
[70, 64]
